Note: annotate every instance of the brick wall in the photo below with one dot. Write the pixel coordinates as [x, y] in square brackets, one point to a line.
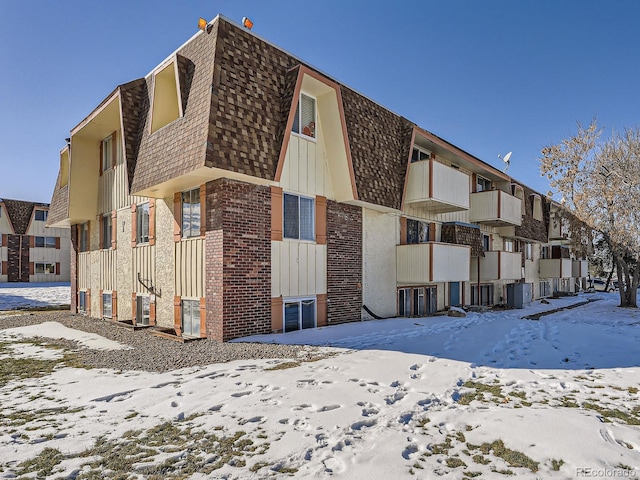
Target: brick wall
[18, 258]
[238, 252]
[463, 235]
[344, 262]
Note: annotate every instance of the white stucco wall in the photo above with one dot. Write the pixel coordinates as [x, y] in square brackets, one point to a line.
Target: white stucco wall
[381, 234]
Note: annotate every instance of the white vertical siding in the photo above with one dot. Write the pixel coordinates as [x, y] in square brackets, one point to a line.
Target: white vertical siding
[189, 271]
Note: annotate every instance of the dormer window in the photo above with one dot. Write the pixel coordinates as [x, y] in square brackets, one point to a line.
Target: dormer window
[419, 154]
[166, 106]
[41, 215]
[304, 122]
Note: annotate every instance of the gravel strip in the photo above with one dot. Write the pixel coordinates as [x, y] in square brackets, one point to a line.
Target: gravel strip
[153, 354]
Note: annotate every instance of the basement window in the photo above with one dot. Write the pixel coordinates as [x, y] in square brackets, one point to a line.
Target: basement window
[299, 314]
[107, 304]
[304, 122]
[82, 301]
[143, 309]
[190, 318]
[166, 98]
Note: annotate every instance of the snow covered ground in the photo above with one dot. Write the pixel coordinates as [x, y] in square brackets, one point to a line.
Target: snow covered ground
[20, 295]
[485, 396]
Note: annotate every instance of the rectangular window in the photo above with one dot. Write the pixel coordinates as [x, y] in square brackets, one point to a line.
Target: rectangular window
[45, 268]
[545, 252]
[486, 243]
[418, 154]
[482, 184]
[143, 309]
[107, 153]
[83, 237]
[106, 225]
[305, 120]
[299, 314]
[191, 318]
[191, 213]
[529, 251]
[537, 207]
[299, 221]
[417, 301]
[41, 215]
[107, 305]
[418, 232]
[508, 245]
[45, 242]
[142, 223]
[82, 301]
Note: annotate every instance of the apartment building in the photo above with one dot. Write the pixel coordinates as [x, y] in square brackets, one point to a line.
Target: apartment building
[30, 251]
[237, 190]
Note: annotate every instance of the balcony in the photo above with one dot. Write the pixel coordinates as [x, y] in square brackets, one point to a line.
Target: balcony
[495, 208]
[580, 268]
[432, 262]
[556, 268]
[437, 187]
[497, 266]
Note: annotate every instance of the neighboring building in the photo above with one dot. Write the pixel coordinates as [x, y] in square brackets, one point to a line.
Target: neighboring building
[236, 190]
[30, 251]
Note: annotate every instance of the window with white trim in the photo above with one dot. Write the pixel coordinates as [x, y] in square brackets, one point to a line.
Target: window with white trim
[482, 184]
[107, 304]
[299, 217]
[143, 309]
[190, 318]
[299, 314]
[45, 242]
[418, 154]
[106, 223]
[191, 213]
[45, 268]
[41, 215]
[107, 158]
[545, 251]
[508, 245]
[304, 122]
[142, 223]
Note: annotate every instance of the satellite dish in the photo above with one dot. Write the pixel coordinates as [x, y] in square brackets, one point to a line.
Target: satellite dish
[507, 160]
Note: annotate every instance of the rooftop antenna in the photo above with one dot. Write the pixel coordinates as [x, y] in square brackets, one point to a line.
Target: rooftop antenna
[506, 160]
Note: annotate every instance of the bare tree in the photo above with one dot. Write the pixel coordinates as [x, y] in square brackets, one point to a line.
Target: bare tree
[599, 180]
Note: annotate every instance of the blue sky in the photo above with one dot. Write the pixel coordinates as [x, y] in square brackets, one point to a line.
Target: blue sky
[489, 76]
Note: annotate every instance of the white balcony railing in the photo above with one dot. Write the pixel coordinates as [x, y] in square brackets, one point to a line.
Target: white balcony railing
[432, 262]
[497, 266]
[556, 268]
[437, 187]
[496, 208]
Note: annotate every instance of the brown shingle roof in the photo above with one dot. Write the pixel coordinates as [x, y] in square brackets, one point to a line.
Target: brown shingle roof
[19, 212]
[59, 208]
